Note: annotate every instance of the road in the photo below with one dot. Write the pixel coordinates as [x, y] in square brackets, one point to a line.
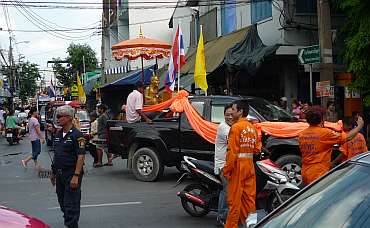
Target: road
[111, 197]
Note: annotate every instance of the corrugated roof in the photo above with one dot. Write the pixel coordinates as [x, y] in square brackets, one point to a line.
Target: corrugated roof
[215, 51]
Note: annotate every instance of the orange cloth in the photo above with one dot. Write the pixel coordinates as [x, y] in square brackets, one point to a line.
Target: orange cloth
[355, 146]
[208, 130]
[290, 129]
[158, 107]
[240, 173]
[316, 144]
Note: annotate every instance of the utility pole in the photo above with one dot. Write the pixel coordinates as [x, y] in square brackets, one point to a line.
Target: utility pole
[11, 74]
[326, 50]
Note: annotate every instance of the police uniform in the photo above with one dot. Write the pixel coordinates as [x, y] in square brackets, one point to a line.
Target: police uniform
[67, 149]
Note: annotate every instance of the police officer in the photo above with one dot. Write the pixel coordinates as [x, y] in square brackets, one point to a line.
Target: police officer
[67, 166]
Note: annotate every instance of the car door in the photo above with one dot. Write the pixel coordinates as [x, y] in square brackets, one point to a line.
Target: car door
[191, 143]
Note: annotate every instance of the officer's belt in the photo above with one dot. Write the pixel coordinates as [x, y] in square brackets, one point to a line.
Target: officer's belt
[245, 155]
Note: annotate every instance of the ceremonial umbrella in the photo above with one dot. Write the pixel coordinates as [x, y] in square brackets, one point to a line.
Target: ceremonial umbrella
[141, 47]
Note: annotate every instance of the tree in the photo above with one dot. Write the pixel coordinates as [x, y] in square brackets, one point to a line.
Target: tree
[76, 53]
[63, 74]
[357, 44]
[28, 80]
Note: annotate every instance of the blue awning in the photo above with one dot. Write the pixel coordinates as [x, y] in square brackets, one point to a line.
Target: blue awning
[131, 78]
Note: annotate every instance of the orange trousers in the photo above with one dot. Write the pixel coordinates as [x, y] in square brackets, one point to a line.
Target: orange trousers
[241, 192]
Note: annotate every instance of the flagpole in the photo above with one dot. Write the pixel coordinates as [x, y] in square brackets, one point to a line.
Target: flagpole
[178, 59]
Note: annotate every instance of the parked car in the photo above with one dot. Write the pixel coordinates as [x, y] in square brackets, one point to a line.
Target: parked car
[149, 148]
[84, 118]
[341, 198]
[11, 218]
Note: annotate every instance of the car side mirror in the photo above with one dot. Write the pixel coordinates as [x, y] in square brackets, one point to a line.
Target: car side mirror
[252, 119]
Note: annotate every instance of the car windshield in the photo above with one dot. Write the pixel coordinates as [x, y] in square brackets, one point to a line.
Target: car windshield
[269, 111]
[83, 116]
[342, 199]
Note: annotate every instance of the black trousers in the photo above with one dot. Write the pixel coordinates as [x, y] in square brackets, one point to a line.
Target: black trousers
[69, 199]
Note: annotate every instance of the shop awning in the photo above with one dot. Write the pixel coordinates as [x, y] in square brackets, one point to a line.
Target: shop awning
[214, 51]
[131, 78]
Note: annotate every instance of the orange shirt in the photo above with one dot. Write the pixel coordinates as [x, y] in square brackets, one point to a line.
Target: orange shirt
[354, 147]
[316, 144]
[243, 138]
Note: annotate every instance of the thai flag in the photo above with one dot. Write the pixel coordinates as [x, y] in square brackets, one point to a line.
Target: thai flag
[177, 60]
[51, 90]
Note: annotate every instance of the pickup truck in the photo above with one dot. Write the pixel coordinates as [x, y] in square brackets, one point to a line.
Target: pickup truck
[148, 148]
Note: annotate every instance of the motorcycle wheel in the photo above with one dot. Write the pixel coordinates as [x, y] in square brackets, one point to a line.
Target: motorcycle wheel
[189, 207]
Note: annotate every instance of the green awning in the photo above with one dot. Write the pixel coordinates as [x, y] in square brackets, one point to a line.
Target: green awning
[214, 51]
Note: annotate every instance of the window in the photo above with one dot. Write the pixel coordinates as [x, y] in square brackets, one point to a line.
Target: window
[306, 6]
[217, 113]
[199, 106]
[261, 9]
[228, 16]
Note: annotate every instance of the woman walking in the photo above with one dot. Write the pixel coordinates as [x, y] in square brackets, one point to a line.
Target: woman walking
[35, 137]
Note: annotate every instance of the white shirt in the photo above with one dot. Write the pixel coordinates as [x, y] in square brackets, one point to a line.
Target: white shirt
[221, 146]
[133, 103]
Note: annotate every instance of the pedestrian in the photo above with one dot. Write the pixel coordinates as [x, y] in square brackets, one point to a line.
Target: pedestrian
[134, 105]
[316, 143]
[284, 104]
[102, 135]
[239, 168]
[331, 115]
[296, 109]
[220, 158]
[2, 120]
[305, 107]
[35, 137]
[94, 136]
[122, 114]
[355, 146]
[67, 166]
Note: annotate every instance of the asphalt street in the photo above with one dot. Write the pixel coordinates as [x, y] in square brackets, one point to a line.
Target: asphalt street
[111, 196]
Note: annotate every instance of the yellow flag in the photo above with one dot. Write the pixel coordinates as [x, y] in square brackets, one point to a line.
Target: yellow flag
[81, 92]
[200, 71]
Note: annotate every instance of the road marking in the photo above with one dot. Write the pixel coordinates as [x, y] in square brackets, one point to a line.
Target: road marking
[101, 205]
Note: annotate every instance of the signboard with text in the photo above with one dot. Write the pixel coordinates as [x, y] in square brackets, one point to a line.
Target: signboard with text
[309, 55]
[323, 89]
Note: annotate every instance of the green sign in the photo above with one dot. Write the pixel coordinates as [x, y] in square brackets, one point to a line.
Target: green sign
[309, 55]
[74, 90]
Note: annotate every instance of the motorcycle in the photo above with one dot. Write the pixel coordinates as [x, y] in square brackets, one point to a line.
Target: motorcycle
[11, 135]
[198, 199]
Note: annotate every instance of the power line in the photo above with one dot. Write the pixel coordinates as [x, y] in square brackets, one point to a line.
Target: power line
[143, 6]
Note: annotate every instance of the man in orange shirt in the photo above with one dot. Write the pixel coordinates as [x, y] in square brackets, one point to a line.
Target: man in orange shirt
[239, 168]
[316, 143]
[355, 146]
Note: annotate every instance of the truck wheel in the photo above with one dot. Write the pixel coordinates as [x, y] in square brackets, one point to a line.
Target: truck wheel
[292, 165]
[147, 165]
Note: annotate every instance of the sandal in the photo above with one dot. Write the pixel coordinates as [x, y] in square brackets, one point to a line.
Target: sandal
[97, 165]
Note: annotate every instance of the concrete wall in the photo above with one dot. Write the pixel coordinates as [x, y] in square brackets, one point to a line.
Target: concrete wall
[183, 16]
[154, 24]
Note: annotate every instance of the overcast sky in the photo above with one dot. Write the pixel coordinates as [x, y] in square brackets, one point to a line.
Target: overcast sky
[43, 46]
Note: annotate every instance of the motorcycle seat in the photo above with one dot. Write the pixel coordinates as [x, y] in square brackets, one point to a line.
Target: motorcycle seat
[206, 166]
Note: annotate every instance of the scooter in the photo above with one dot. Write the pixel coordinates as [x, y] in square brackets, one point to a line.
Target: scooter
[201, 197]
[11, 135]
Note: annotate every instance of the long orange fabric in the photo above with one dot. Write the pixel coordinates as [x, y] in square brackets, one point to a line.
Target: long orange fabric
[354, 147]
[316, 144]
[158, 107]
[240, 173]
[208, 130]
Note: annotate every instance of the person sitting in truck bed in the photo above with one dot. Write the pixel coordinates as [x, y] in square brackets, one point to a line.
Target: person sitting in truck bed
[134, 105]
